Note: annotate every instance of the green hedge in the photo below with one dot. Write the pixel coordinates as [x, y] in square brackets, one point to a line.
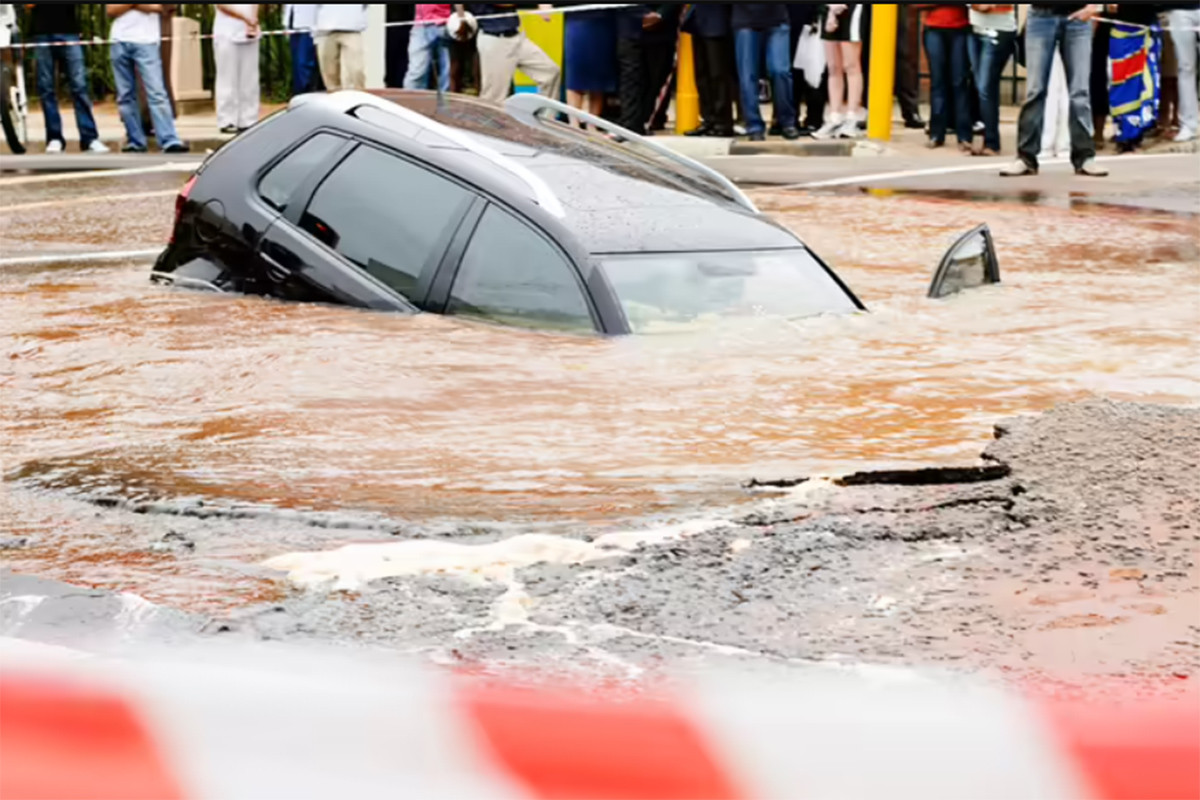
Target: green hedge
[275, 65]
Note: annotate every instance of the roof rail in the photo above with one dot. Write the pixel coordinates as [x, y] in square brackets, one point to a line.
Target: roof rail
[529, 104]
[347, 100]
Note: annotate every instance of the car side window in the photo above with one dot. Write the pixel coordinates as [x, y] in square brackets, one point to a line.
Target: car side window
[282, 180]
[391, 217]
[512, 274]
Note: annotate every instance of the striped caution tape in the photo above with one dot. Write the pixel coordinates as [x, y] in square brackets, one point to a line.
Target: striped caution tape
[1136, 26]
[320, 726]
[283, 32]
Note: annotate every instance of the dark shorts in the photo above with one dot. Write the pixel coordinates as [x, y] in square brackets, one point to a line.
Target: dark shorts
[850, 25]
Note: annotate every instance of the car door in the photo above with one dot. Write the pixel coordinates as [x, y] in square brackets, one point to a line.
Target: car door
[513, 274]
[369, 232]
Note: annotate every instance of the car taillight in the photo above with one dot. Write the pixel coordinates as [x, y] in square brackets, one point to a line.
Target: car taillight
[179, 201]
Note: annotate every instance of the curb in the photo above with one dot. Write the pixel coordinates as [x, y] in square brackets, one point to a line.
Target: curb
[808, 148]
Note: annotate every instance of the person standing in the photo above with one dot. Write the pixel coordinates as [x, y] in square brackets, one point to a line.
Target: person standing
[993, 35]
[590, 52]
[1184, 22]
[841, 29]
[428, 45]
[645, 53]
[58, 24]
[908, 67]
[1056, 114]
[712, 42]
[339, 37]
[810, 80]
[300, 19]
[135, 52]
[504, 48]
[946, 30]
[235, 51]
[762, 29]
[1065, 28]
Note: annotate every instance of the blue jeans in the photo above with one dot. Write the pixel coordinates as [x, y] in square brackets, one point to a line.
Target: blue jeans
[1044, 32]
[749, 45]
[947, 52]
[989, 55]
[305, 75]
[146, 59]
[425, 43]
[72, 56]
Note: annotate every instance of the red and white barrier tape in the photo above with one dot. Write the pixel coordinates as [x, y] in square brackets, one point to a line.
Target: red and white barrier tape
[400, 24]
[319, 726]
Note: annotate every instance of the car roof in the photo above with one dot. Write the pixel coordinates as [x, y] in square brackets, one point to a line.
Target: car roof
[613, 198]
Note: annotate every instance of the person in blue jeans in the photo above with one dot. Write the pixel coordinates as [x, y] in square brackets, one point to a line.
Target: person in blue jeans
[136, 36]
[993, 36]
[300, 19]
[947, 28]
[57, 24]
[758, 27]
[429, 47]
[1064, 27]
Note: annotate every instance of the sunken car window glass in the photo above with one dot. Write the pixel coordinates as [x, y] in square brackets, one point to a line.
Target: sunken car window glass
[510, 274]
[281, 182]
[663, 291]
[388, 216]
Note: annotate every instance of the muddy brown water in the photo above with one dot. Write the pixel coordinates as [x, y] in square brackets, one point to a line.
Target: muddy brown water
[115, 388]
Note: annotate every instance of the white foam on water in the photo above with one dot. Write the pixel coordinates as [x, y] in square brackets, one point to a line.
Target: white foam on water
[355, 565]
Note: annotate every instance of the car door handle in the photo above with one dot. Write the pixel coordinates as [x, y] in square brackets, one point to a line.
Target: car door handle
[275, 271]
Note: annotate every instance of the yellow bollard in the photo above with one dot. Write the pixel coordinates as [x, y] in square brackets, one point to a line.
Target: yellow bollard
[884, 18]
[687, 99]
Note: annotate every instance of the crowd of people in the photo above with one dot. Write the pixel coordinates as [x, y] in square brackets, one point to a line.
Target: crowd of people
[1133, 63]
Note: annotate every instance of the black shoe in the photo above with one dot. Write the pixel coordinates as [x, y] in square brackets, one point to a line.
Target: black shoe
[229, 129]
[756, 136]
[704, 130]
[178, 147]
[792, 133]
[914, 123]
[774, 130]
[132, 148]
[722, 133]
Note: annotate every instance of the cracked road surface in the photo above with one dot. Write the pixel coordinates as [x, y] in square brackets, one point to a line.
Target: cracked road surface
[1070, 556]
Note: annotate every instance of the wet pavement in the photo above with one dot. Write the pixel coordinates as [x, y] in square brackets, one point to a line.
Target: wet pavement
[167, 444]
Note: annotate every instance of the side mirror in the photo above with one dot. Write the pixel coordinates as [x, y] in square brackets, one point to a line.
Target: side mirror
[970, 262]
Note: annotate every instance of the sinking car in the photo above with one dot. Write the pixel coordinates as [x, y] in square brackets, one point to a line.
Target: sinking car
[414, 201]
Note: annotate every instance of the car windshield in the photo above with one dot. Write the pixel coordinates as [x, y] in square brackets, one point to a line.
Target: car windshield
[666, 291]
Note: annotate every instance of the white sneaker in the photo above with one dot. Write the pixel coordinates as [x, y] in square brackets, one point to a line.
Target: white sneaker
[829, 129]
[848, 130]
[54, 146]
[1184, 135]
[97, 146]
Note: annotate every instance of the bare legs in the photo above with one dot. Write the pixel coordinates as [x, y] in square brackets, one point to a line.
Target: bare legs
[591, 102]
[837, 77]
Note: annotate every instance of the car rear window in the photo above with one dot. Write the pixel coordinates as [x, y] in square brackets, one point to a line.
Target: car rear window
[281, 181]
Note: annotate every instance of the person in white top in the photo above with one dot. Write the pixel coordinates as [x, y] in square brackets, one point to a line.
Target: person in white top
[136, 36]
[301, 18]
[339, 30]
[235, 50]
